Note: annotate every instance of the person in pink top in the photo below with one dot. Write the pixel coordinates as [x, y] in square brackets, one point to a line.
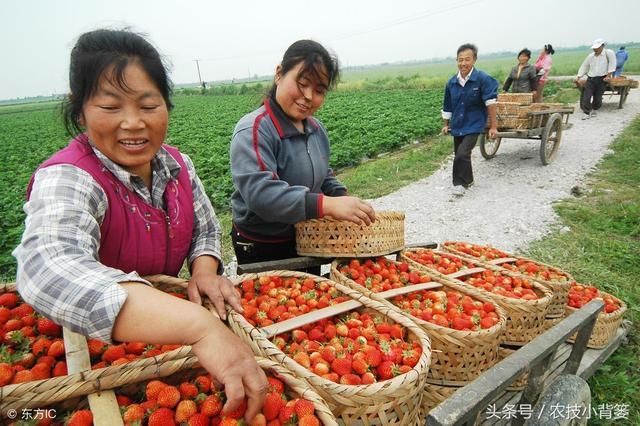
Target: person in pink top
[118, 203]
[543, 66]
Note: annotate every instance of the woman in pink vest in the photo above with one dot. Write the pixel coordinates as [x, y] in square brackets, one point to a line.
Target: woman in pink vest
[116, 204]
[543, 66]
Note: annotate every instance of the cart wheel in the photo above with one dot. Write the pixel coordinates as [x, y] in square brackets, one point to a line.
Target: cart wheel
[550, 139]
[565, 390]
[489, 147]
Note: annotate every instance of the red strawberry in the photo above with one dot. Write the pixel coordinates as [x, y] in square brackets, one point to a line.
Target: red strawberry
[40, 346]
[6, 373]
[113, 352]
[23, 311]
[287, 414]
[272, 405]
[275, 385]
[188, 390]
[153, 388]
[203, 383]
[351, 379]
[22, 376]
[48, 327]
[309, 420]
[60, 369]
[341, 366]
[387, 370]
[304, 407]
[46, 359]
[162, 417]
[185, 410]
[168, 397]
[260, 420]
[211, 406]
[5, 314]
[368, 378]
[95, 347]
[410, 357]
[41, 371]
[136, 348]
[80, 418]
[198, 419]
[133, 413]
[56, 349]
[8, 300]
[238, 412]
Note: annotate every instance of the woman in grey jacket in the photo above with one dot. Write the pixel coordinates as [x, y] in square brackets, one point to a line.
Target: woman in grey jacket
[280, 161]
[522, 76]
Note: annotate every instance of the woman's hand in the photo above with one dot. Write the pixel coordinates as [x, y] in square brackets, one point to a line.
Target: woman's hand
[349, 208]
[445, 130]
[205, 281]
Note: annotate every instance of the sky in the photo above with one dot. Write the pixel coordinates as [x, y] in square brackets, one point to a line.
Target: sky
[237, 39]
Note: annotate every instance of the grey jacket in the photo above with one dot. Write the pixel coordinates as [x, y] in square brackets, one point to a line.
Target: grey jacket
[279, 174]
[527, 82]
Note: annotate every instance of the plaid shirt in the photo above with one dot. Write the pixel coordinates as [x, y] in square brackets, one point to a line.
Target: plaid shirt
[58, 269]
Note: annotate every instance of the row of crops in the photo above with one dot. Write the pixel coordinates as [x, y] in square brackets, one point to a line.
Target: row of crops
[360, 124]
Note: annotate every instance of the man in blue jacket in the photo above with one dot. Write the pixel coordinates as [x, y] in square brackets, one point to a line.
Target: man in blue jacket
[621, 58]
[469, 97]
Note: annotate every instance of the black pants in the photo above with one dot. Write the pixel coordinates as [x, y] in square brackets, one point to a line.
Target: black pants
[591, 98]
[250, 251]
[462, 170]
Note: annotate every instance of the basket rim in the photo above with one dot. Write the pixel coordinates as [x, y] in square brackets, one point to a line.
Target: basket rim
[385, 214]
[381, 387]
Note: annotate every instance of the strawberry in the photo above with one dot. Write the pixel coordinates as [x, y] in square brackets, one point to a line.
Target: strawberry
[46, 359]
[23, 311]
[185, 410]
[149, 405]
[309, 420]
[304, 407]
[387, 370]
[287, 414]
[60, 369]
[211, 406]
[112, 353]
[373, 356]
[41, 371]
[238, 412]
[188, 390]
[56, 349]
[8, 300]
[368, 378]
[80, 418]
[6, 373]
[133, 413]
[341, 366]
[168, 397]
[40, 346]
[48, 327]
[136, 348]
[410, 357]
[203, 383]
[198, 419]
[22, 377]
[5, 314]
[272, 404]
[95, 347]
[302, 359]
[351, 379]
[275, 385]
[259, 420]
[360, 366]
[328, 353]
[229, 421]
[153, 388]
[162, 417]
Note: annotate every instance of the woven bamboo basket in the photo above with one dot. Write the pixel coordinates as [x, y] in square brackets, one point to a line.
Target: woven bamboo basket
[525, 318]
[521, 381]
[435, 394]
[560, 289]
[395, 401]
[512, 122]
[550, 322]
[458, 356]
[623, 82]
[328, 237]
[605, 327]
[519, 98]
[543, 106]
[507, 108]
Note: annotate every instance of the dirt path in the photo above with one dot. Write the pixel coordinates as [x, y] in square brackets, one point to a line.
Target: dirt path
[511, 201]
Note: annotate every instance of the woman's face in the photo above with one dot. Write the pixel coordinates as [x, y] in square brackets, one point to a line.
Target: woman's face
[523, 59]
[465, 61]
[300, 96]
[129, 127]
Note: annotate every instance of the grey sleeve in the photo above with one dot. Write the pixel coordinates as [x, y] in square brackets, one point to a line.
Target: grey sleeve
[254, 172]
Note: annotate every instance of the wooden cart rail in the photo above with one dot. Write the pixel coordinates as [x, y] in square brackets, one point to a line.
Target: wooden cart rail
[464, 406]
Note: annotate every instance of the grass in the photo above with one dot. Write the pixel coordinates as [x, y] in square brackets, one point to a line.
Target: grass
[602, 247]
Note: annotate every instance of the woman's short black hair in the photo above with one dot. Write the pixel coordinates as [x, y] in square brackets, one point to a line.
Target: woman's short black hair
[468, 46]
[549, 49]
[312, 54]
[97, 51]
[526, 52]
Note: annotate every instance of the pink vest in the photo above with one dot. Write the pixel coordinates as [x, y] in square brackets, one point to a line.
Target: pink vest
[135, 236]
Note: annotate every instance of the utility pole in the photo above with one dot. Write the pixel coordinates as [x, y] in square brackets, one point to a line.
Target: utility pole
[197, 61]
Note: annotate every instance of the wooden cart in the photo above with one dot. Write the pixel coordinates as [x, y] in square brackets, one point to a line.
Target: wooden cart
[620, 87]
[545, 126]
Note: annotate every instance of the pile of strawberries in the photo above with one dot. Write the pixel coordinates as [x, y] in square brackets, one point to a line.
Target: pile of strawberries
[537, 270]
[198, 403]
[31, 347]
[381, 274]
[444, 263]
[450, 309]
[482, 252]
[580, 295]
[355, 349]
[272, 299]
[502, 285]
[104, 355]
